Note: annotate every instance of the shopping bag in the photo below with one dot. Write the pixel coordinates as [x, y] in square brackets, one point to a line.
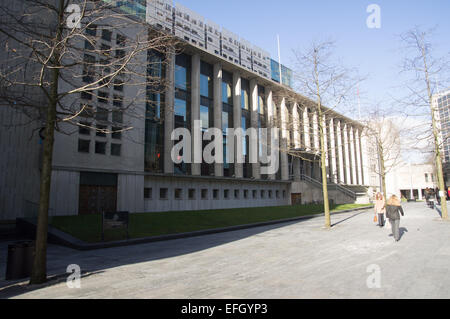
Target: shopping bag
[375, 219]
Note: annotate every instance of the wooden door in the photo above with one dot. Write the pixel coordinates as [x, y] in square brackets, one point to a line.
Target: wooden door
[296, 199]
[95, 199]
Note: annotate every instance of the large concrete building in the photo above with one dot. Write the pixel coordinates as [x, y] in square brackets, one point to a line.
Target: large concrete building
[218, 79]
[441, 103]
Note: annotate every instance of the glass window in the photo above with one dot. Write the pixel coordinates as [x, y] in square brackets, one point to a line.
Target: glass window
[83, 146]
[100, 147]
[115, 149]
[182, 71]
[148, 192]
[106, 35]
[204, 117]
[245, 94]
[84, 128]
[101, 114]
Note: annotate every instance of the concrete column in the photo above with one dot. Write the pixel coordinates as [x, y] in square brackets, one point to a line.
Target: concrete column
[316, 131]
[346, 157]
[237, 114]
[306, 128]
[358, 156]
[270, 121]
[325, 146]
[332, 152]
[365, 163]
[195, 114]
[256, 172]
[218, 167]
[340, 152]
[353, 157]
[361, 158]
[296, 125]
[284, 141]
[169, 120]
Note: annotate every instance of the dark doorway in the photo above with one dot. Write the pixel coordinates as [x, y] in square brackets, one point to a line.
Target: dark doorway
[98, 193]
[296, 199]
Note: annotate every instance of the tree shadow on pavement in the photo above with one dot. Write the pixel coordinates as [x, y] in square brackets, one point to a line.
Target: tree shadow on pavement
[345, 219]
[22, 287]
[97, 261]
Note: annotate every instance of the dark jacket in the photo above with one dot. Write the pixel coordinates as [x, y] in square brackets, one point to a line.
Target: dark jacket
[393, 212]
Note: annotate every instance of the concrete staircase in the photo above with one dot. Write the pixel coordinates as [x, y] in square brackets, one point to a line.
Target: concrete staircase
[339, 194]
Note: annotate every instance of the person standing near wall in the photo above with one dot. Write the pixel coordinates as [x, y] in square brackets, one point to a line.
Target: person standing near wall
[380, 208]
[393, 211]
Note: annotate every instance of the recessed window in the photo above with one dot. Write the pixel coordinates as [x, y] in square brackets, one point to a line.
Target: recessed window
[148, 193]
[101, 130]
[118, 85]
[83, 146]
[215, 193]
[270, 193]
[178, 193]
[245, 193]
[277, 193]
[254, 193]
[86, 95]
[284, 194]
[116, 149]
[117, 116]
[163, 193]
[120, 40]
[106, 35]
[100, 147]
[116, 133]
[226, 193]
[236, 193]
[204, 193]
[103, 97]
[191, 193]
[263, 193]
[101, 114]
[91, 30]
[83, 128]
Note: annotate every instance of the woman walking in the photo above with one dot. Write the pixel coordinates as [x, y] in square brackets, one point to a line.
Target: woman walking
[380, 208]
[393, 211]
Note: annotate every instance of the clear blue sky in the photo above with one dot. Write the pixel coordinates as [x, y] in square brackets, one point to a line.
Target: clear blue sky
[375, 52]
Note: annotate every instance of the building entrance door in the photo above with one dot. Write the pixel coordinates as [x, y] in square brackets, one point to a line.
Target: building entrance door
[98, 193]
[96, 199]
[296, 198]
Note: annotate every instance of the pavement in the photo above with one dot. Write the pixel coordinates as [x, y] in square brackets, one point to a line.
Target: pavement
[354, 259]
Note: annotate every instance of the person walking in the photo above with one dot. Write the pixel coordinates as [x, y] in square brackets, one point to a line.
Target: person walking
[380, 209]
[393, 211]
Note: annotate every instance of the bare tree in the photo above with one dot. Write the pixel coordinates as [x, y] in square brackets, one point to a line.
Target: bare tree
[329, 86]
[53, 61]
[426, 70]
[385, 137]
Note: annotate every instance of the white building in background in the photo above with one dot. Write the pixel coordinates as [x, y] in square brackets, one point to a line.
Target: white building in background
[403, 179]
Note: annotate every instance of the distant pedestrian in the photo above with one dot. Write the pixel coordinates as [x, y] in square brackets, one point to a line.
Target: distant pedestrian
[438, 198]
[448, 193]
[393, 211]
[380, 208]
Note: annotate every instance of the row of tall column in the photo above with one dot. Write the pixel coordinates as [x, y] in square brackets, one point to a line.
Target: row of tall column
[342, 140]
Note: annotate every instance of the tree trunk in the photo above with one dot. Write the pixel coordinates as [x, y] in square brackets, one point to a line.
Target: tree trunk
[39, 270]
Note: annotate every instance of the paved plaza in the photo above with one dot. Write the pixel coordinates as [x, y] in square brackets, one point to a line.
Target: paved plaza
[355, 259]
